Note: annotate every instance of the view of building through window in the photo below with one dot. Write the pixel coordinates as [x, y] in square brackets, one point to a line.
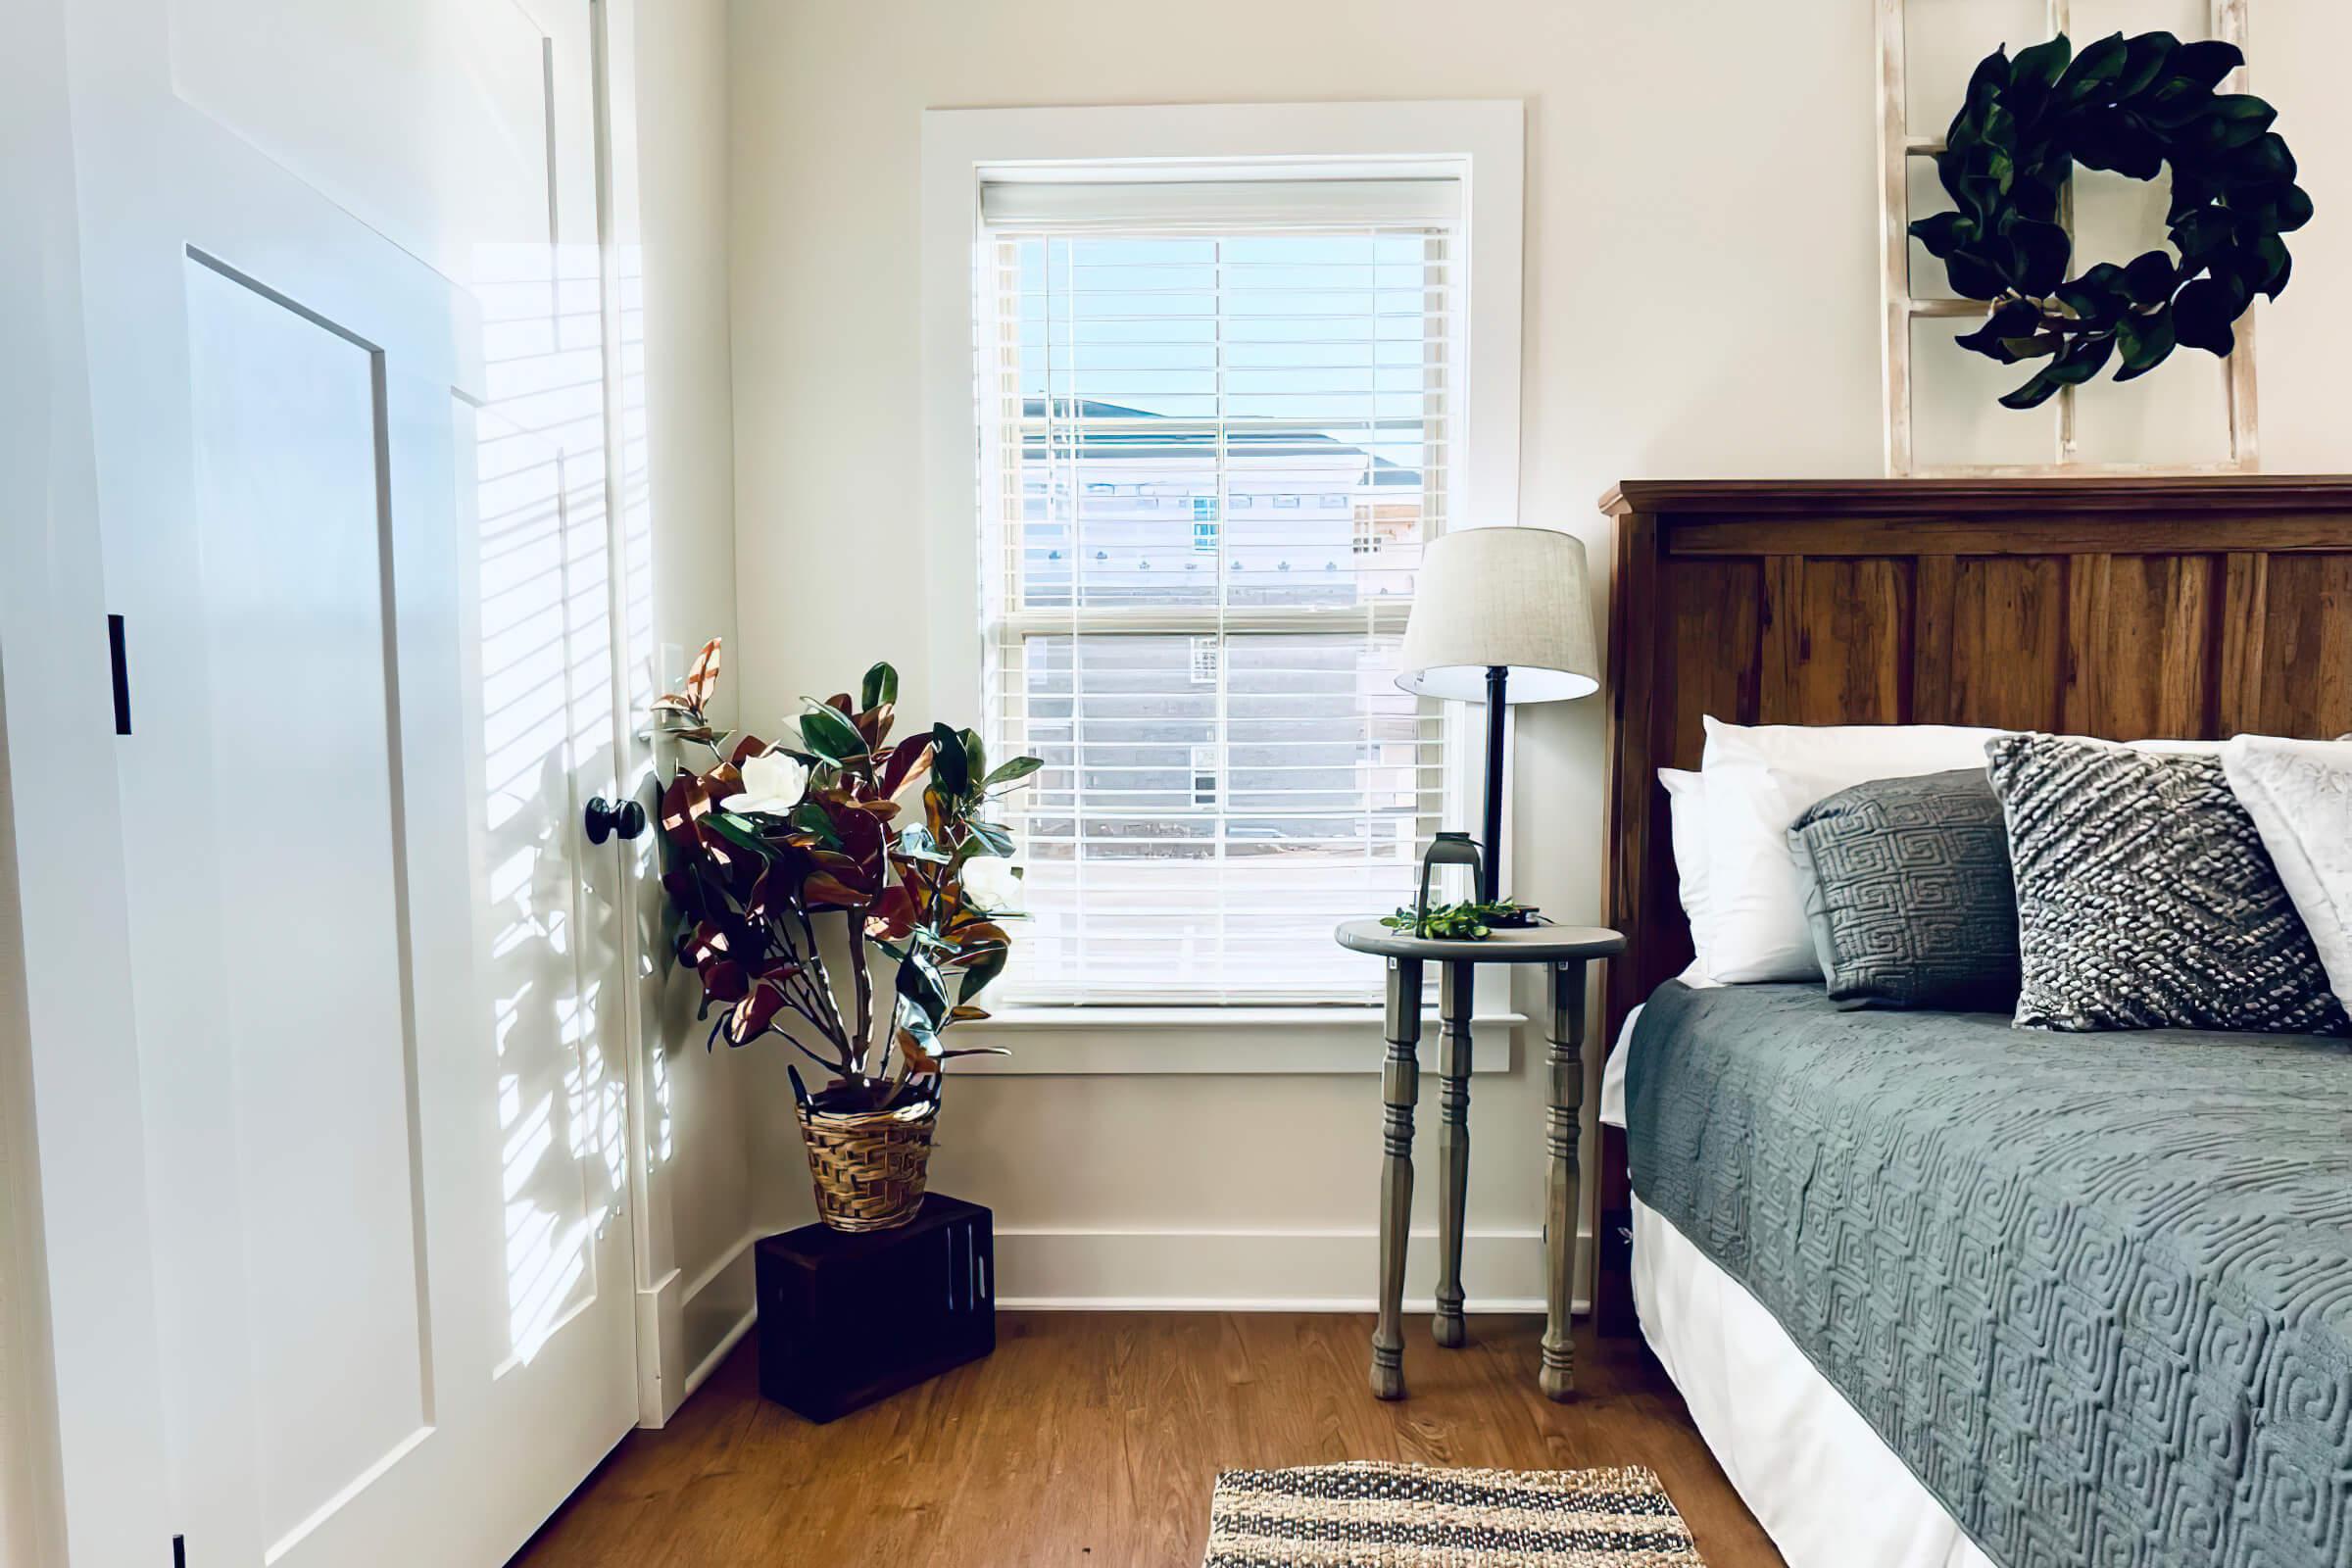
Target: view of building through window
[1215, 457]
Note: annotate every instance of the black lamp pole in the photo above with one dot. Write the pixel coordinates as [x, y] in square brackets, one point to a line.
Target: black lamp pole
[1490, 874]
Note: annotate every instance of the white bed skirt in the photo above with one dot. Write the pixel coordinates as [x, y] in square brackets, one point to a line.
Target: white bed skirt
[1818, 1479]
[1815, 1475]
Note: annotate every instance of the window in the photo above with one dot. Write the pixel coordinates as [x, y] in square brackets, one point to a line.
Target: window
[1230, 767]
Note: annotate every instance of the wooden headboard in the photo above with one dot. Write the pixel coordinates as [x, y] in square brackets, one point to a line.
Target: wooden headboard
[2193, 608]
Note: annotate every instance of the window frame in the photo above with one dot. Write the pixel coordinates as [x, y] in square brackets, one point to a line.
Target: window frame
[1480, 142]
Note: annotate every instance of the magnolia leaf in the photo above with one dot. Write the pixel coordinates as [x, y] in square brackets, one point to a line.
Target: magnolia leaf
[2080, 361]
[830, 735]
[2206, 61]
[725, 981]
[893, 913]
[2041, 64]
[2041, 250]
[950, 763]
[740, 831]
[919, 983]
[989, 838]
[754, 1013]
[2203, 316]
[908, 761]
[811, 818]
[825, 891]
[2149, 277]
[980, 971]
[919, 1060]
[1944, 232]
[773, 895]
[2095, 68]
[706, 941]
[965, 1012]
[916, 844]
[2146, 342]
[975, 760]
[1020, 767]
[684, 804]
[874, 724]
[881, 686]
[702, 678]
[972, 1050]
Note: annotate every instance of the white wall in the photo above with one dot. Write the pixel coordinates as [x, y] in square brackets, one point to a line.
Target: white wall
[681, 81]
[1702, 299]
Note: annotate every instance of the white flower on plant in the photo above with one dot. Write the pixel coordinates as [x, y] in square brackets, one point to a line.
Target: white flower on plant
[993, 884]
[772, 785]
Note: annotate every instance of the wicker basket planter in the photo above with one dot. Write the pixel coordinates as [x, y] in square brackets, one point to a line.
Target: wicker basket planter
[869, 1167]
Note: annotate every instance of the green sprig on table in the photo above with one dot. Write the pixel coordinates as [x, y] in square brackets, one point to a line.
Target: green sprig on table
[1466, 921]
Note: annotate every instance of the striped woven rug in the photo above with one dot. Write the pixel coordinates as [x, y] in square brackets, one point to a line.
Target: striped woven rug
[1373, 1515]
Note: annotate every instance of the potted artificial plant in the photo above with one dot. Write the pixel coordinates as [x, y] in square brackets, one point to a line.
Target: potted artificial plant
[765, 845]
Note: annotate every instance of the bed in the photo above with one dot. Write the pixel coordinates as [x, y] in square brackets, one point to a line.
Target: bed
[1912, 1270]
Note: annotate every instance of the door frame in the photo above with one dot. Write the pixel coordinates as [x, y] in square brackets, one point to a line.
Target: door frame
[101, 1487]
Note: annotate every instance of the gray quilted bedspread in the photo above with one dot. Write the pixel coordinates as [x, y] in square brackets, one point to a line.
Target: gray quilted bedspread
[2094, 1289]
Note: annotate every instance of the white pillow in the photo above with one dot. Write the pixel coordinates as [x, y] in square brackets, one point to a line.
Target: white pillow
[2300, 794]
[1758, 781]
[1687, 812]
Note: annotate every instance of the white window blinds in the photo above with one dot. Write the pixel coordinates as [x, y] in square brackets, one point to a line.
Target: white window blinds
[1216, 420]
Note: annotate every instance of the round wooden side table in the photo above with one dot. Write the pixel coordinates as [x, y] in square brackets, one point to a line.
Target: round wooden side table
[1564, 950]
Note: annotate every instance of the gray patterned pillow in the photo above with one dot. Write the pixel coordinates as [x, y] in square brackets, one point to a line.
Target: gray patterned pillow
[2145, 899]
[1907, 890]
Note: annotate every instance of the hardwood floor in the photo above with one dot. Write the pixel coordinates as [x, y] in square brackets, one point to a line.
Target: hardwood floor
[1095, 1439]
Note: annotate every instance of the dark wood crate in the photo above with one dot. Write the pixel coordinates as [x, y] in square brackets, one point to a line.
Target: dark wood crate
[849, 1320]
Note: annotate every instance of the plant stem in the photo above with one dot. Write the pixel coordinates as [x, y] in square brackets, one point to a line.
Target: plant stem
[864, 983]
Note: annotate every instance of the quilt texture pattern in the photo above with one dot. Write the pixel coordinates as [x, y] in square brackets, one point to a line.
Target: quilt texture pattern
[2094, 1289]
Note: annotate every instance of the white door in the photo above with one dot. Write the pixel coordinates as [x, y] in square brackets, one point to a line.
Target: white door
[347, 331]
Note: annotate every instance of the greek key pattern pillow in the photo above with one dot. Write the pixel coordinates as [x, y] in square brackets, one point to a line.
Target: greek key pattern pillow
[1907, 890]
[2145, 899]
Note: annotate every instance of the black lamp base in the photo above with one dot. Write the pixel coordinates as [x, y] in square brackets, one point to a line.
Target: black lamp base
[1491, 869]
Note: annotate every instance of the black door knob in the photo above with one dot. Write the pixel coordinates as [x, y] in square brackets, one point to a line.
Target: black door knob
[605, 819]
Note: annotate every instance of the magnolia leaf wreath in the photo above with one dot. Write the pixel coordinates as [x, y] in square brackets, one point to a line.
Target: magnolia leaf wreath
[2133, 106]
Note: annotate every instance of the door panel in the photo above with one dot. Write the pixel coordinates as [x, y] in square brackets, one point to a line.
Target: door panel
[287, 428]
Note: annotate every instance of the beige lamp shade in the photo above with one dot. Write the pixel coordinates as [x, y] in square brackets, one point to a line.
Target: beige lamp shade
[1507, 597]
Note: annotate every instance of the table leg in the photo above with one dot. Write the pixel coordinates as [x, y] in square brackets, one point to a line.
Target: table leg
[1399, 1088]
[1453, 1148]
[1566, 1034]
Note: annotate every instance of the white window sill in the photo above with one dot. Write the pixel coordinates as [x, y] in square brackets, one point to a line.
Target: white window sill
[1083, 1042]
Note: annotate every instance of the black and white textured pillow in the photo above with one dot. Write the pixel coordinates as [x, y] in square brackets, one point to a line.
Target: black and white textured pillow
[1907, 891]
[2145, 899]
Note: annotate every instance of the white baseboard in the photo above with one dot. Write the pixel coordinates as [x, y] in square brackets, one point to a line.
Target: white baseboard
[716, 1309]
[1050, 1269]
[1256, 1271]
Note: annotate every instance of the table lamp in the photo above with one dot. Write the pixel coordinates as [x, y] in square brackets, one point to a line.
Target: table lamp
[1500, 616]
